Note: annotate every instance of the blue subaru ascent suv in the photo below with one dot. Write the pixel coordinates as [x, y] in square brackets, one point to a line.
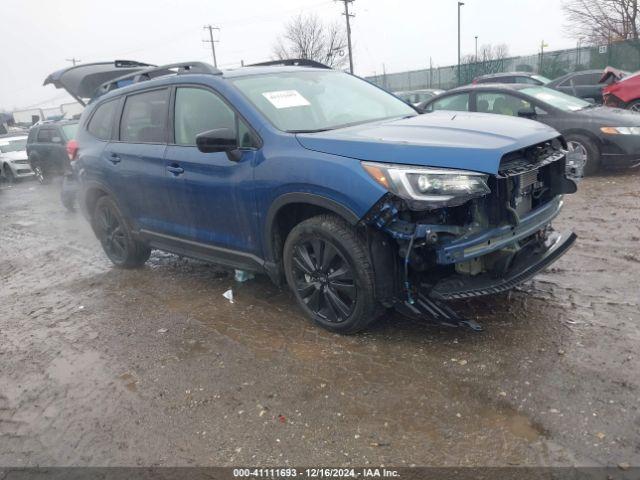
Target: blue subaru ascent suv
[323, 181]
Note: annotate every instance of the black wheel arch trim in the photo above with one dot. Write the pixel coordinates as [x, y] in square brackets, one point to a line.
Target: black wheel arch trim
[95, 185]
[302, 197]
[585, 133]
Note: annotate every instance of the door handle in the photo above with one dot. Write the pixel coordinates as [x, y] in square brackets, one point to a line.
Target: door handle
[175, 169]
[114, 158]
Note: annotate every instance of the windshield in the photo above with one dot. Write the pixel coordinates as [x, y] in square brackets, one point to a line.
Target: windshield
[14, 146]
[540, 78]
[70, 130]
[556, 99]
[319, 100]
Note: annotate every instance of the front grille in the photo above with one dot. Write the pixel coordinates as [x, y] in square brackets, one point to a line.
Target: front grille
[531, 158]
[21, 162]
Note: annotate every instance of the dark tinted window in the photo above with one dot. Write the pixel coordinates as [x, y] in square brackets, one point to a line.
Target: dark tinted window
[144, 117]
[458, 102]
[527, 80]
[496, 80]
[587, 79]
[102, 121]
[44, 135]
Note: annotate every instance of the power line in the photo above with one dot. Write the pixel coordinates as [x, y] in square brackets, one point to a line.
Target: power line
[348, 16]
[212, 42]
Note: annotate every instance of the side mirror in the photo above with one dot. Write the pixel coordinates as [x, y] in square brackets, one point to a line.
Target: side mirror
[527, 113]
[218, 140]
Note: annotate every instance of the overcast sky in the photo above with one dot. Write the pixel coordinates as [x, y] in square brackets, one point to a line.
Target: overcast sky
[39, 35]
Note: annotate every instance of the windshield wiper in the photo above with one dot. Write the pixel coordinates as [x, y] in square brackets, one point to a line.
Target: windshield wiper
[311, 130]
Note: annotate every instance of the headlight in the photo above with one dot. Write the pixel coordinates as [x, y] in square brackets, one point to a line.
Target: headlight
[621, 130]
[425, 187]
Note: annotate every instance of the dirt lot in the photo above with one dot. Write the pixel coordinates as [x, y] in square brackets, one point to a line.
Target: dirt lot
[100, 366]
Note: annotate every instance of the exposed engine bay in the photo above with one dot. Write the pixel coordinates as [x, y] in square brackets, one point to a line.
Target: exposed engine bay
[485, 245]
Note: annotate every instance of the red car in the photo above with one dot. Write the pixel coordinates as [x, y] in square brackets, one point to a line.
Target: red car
[624, 92]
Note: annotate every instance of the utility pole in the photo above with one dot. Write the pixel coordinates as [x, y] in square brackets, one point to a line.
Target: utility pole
[73, 60]
[212, 42]
[459, 77]
[348, 16]
[430, 72]
[542, 45]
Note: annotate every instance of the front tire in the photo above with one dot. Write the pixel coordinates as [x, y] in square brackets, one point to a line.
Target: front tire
[116, 237]
[634, 106]
[329, 271]
[8, 175]
[587, 148]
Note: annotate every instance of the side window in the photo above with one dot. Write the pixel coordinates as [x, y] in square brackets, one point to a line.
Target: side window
[102, 121]
[501, 103]
[198, 110]
[144, 117]
[458, 102]
[44, 135]
[587, 79]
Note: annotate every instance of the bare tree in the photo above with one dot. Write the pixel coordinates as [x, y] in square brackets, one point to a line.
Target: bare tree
[490, 60]
[487, 53]
[305, 36]
[603, 21]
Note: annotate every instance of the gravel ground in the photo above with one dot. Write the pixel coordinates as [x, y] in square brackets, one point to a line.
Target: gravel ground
[100, 366]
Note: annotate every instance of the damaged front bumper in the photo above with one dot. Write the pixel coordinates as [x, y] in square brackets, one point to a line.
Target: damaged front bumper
[528, 263]
[467, 248]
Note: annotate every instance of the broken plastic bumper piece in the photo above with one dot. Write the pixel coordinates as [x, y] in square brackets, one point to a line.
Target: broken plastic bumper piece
[525, 266]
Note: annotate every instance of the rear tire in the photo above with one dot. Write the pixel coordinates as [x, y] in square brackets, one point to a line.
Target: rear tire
[329, 271]
[587, 147]
[112, 229]
[40, 174]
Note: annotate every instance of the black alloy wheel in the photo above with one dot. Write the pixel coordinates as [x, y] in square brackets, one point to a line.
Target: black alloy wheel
[111, 234]
[329, 270]
[324, 280]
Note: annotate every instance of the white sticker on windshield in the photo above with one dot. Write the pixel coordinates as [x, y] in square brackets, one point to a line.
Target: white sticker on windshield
[286, 99]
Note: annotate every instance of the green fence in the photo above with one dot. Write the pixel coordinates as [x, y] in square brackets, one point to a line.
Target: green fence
[551, 64]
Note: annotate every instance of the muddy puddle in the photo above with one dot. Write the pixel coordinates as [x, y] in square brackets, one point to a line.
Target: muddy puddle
[156, 367]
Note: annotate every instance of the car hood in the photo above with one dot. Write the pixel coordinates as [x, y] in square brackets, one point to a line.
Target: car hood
[21, 155]
[611, 117]
[469, 141]
[611, 72]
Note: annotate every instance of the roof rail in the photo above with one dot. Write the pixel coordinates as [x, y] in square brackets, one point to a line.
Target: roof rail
[150, 73]
[291, 62]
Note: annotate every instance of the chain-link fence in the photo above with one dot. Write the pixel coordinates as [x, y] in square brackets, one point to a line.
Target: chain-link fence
[552, 64]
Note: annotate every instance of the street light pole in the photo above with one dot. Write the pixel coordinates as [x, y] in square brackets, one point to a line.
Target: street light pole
[459, 77]
[476, 48]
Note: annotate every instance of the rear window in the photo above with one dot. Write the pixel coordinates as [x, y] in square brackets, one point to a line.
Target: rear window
[144, 117]
[102, 121]
[70, 130]
[44, 135]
